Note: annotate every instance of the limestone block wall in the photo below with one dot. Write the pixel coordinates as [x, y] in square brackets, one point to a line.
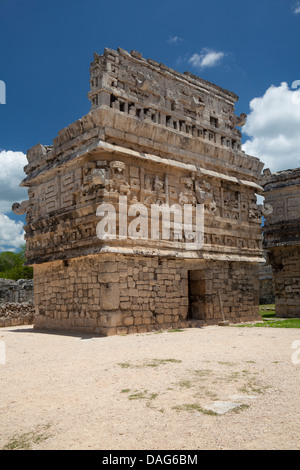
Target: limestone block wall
[111, 294]
[282, 239]
[14, 314]
[231, 287]
[266, 288]
[286, 263]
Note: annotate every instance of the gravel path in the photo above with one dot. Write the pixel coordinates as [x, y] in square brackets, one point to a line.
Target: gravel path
[153, 391]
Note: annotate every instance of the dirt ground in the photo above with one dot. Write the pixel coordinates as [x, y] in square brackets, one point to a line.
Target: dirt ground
[151, 391]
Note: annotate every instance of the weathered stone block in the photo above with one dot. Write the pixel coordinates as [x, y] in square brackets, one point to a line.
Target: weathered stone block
[128, 321]
[109, 296]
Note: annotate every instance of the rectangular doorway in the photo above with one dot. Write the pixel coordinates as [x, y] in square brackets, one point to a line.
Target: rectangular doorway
[197, 294]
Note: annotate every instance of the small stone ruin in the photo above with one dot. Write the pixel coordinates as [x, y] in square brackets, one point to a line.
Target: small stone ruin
[153, 137]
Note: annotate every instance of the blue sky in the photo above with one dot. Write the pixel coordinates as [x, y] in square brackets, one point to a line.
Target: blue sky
[46, 47]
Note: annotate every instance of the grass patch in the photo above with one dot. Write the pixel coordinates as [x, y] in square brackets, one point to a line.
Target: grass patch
[125, 390]
[283, 323]
[153, 396]
[150, 363]
[252, 386]
[124, 365]
[274, 323]
[202, 372]
[210, 394]
[267, 311]
[159, 362]
[176, 330]
[205, 392]
[185, 384]
[138, 395]
[25, 441]
[223, 363]
[148, 398]
[240, 408]
[194, 407]
[232, 377]
[144, 395]
[269, 320]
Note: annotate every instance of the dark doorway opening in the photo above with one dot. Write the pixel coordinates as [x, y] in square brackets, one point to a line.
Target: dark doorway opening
[197, 293]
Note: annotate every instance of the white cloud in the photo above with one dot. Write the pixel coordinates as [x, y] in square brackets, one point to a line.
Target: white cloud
[11, 175]
[174, 40]
[297, 8]
[11, 234]
[273, 127]
[207, 58]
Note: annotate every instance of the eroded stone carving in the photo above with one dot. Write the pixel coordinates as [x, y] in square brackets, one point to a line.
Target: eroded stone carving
[99, 176]
[238, 120]
[118, 181]
[203, 193]
[265, 209]
[187, 195]
[20, 209]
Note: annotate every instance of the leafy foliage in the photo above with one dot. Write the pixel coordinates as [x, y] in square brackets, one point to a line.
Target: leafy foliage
[12, 265]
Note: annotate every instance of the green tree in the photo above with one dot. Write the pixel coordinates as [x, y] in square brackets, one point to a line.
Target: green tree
[12, 265]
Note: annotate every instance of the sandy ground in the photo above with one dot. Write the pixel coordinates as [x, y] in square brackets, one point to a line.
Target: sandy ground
[150, 391]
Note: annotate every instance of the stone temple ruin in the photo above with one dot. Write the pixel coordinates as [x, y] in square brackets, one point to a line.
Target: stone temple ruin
[282, 239]
[153, 136]
[16, 302]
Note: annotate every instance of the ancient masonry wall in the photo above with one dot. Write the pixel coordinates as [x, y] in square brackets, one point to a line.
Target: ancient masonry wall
[282, 239]
[231, 287]
[16, 291]
[266, 287]
[14, 314]
[286, 262]
[122, 294]
[16, 302]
